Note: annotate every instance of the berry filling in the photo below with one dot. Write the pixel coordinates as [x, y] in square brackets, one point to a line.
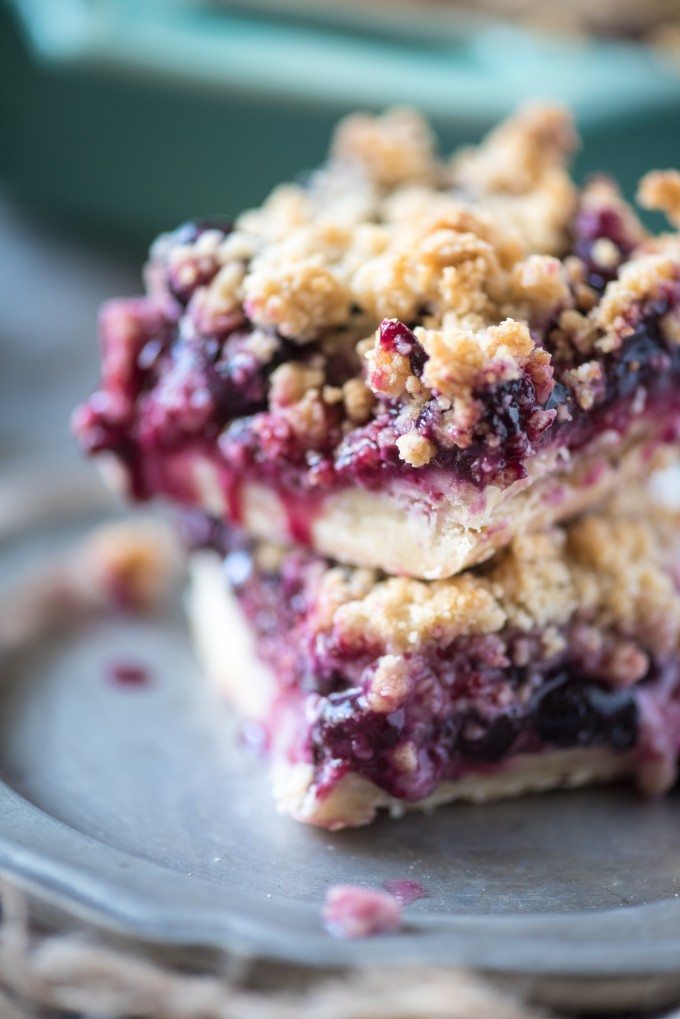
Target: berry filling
[172, 394]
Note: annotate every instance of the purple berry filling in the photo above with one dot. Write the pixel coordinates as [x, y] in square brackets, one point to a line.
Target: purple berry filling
[209, 394]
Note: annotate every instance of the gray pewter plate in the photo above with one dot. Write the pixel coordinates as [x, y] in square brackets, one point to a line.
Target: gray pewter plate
[137, 807]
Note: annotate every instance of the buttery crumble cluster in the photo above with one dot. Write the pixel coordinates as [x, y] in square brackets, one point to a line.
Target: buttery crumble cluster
[660, 189]
[490, 267]
[605, 576]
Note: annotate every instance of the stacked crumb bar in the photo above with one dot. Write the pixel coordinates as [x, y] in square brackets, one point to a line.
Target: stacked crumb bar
[407, 408]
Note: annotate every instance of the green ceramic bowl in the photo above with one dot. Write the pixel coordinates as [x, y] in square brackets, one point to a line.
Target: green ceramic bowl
[134, 115]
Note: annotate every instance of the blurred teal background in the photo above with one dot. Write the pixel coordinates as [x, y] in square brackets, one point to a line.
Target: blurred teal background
[132, 116]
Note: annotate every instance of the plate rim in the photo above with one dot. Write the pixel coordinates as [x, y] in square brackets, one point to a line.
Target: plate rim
[131, 895]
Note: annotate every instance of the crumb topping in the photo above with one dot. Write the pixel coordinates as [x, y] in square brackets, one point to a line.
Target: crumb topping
[609, 569]
[519, 153]
[299, 297]
[457, 359]
[622, 577]
[358, 401]
[399, 613]
[660, 190]
[290, 382]
[390, 684]
[131, 565]
[415, 449]
[304, 263]
[474, 270]
[395, 149]
[638, 281]
[587, 382]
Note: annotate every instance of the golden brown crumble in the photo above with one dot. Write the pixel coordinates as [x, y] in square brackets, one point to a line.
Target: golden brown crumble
[661, 190]
[404, 757]
[299, 298]
[639, 280]
[415, 449]
[539, 283]
[358, 401]
[605, 253]
[307, 418]
[459, 360]
[575, 329]
[397, 148]
[287, 208]
[336, 587]
[519, 175]
[533, 582]
[306, 264]
[133, 563]
[388, 371]
[389, 684]
[400, 614]
[540, 217]
[611, 569]
[622, 578]
[587, 382]
[519, 152]
[261, 344]
[472, 255]
[290, 381]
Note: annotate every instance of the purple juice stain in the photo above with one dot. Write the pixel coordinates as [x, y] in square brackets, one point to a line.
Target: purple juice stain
[128, 674]
[405, 890]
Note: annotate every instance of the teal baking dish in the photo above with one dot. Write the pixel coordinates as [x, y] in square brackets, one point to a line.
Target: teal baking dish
[132, 115]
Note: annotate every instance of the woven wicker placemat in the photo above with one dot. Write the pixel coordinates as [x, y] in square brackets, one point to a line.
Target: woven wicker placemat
[80, 973]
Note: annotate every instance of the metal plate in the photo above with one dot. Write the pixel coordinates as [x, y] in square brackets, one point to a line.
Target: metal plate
[136, 806]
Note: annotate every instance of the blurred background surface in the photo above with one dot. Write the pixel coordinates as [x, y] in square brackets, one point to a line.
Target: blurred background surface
[134, 114]
[119, 118]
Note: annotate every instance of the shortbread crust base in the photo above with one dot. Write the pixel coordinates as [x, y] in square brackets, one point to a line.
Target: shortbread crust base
[404, 531]
[355, 801]
[403, 534]
[226, 649]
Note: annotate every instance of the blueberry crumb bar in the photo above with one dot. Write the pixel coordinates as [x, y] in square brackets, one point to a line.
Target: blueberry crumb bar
[406, 360]
[557, 664]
